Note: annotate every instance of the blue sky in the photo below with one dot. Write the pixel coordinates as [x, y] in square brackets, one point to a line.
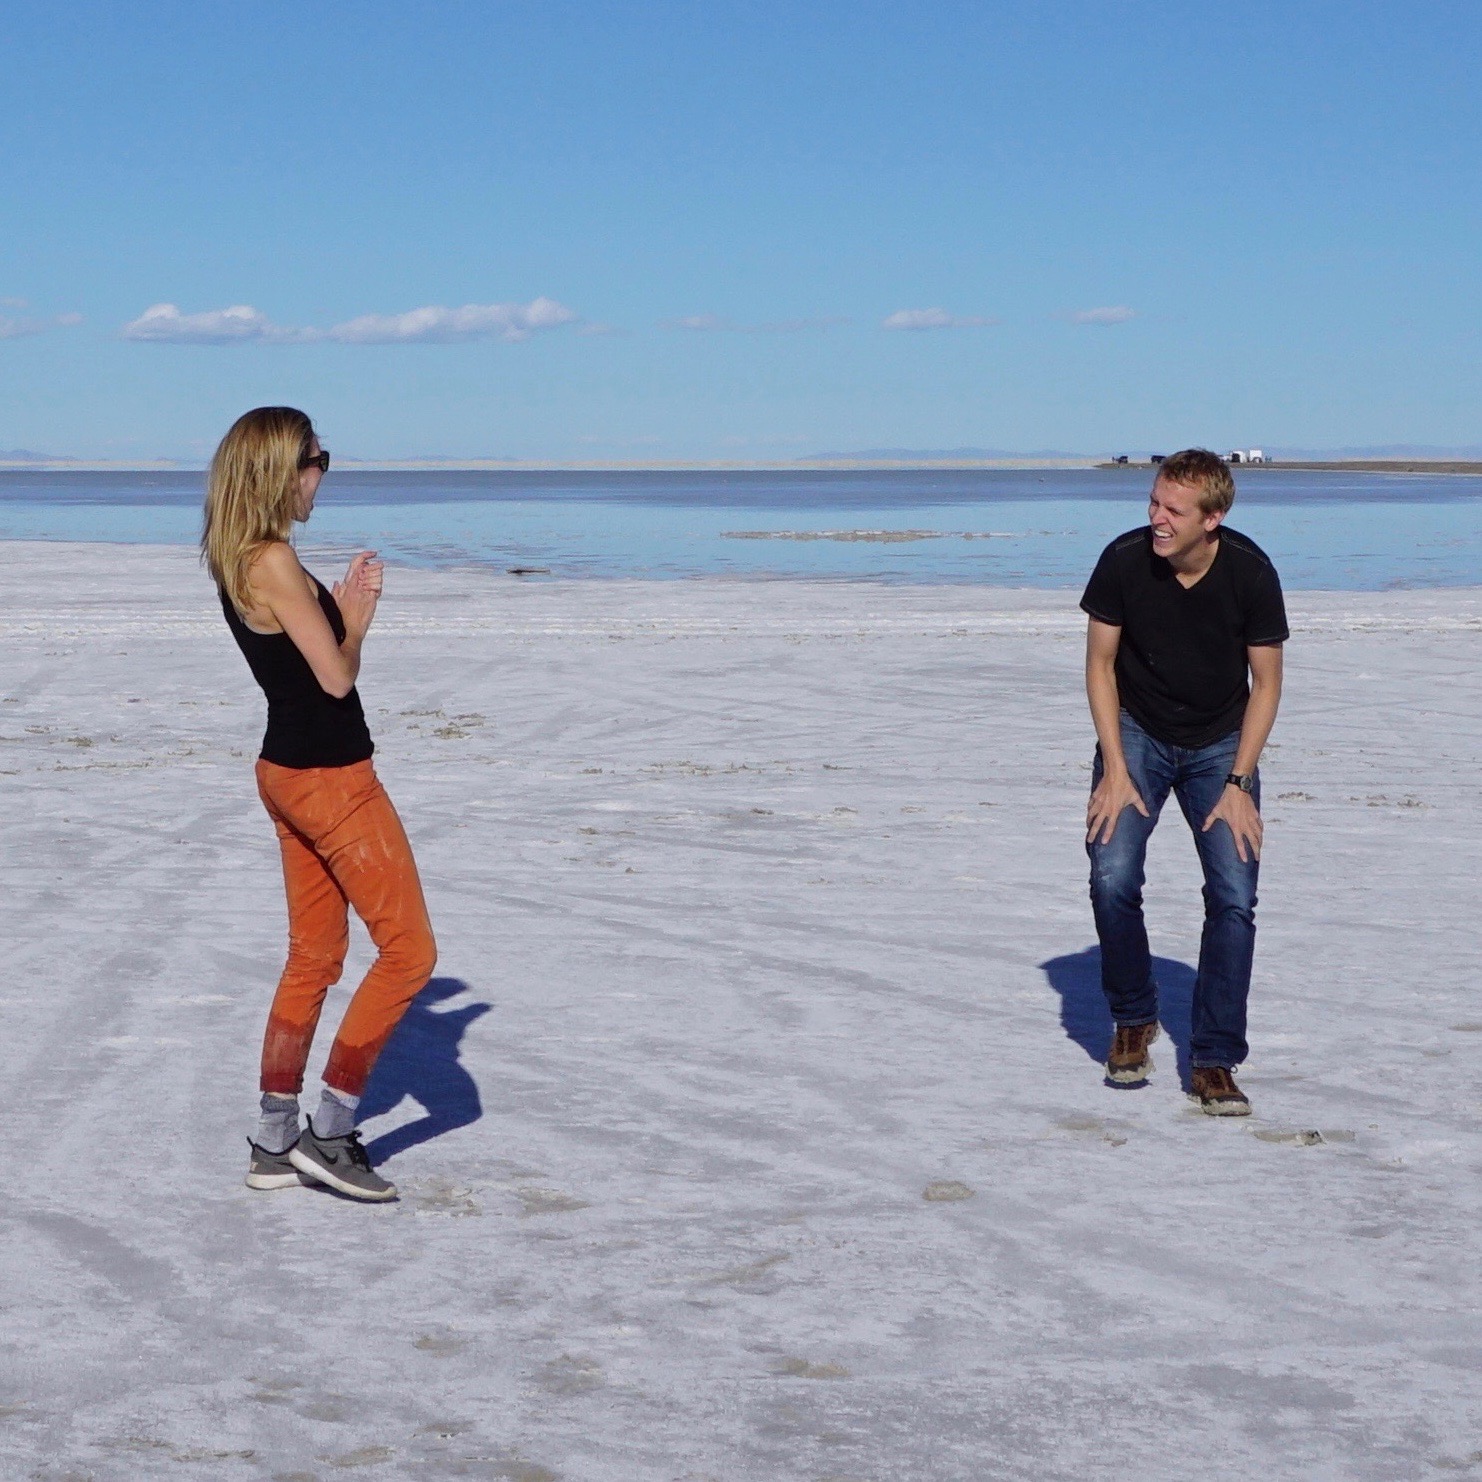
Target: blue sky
[746, 231]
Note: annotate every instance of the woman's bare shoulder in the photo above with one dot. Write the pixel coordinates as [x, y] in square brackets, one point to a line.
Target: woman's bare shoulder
[274, 555]
[273, 564]
[275, 582]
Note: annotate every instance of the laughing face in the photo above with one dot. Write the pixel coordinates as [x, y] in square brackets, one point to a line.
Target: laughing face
[1181, 530]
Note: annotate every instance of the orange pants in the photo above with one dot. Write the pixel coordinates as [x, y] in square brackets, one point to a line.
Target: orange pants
[343, 845]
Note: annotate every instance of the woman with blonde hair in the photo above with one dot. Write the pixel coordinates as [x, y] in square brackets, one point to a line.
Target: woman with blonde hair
[341, 840]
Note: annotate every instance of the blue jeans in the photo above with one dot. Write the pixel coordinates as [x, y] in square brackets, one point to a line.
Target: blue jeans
[1196, 776]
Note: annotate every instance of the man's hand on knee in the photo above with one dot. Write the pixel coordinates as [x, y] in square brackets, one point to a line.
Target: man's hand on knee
[1111, 795]
[1236, 809]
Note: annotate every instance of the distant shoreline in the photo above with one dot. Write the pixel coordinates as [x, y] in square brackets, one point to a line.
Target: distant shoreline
[808, 465]
[1343, 465]
[552, 465]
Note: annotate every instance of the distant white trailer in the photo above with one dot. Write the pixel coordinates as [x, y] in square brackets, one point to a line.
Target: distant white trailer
[1245, 455]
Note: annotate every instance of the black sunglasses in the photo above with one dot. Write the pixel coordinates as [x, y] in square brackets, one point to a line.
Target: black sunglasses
[321, 458]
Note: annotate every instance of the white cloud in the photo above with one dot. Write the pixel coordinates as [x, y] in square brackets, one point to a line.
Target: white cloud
[1112, 314]
[15, 329]
[471, 322]
[933, 319]
[164, 323]
[241, 322]
[700, 323]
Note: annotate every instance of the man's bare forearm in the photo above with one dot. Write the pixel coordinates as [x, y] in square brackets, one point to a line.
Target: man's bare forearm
[1106, 713]
[1260, 709]
[1260, 716]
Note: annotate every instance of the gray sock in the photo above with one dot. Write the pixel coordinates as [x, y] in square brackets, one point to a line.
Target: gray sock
[277, 1127]
[336, 1114]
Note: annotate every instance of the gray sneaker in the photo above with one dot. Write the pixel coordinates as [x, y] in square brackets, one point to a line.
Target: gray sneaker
[341, 1163]
[268, 1170]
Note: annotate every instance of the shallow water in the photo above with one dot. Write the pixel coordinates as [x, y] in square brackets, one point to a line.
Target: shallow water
[1025, 528]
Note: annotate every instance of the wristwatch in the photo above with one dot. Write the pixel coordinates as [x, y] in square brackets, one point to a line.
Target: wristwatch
[1244, 781]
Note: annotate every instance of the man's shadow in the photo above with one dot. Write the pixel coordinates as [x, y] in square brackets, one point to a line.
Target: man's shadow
[421, 1061]
[1076, 977]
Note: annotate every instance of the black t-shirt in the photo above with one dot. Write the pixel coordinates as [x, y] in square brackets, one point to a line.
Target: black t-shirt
[1181, 663]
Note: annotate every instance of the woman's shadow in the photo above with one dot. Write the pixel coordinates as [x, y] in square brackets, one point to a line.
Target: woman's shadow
[1076, 977]
[421, 1061]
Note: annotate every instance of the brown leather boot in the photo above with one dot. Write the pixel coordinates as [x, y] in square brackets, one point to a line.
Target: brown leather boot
[1129, 1060]
[1216, 1092]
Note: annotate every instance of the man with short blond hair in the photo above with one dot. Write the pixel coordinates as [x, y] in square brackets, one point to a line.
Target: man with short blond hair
[1183, 674]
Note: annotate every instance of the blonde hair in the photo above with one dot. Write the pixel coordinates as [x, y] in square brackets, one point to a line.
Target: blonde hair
[252, 493]
[1198, 468]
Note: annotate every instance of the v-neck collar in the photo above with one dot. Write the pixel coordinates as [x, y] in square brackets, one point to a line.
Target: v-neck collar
[1219, 546]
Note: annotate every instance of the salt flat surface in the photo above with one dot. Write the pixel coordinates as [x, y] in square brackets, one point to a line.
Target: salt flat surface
[766, 1135]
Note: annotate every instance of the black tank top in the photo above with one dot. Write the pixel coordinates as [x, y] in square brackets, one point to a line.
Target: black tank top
[306, 726]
